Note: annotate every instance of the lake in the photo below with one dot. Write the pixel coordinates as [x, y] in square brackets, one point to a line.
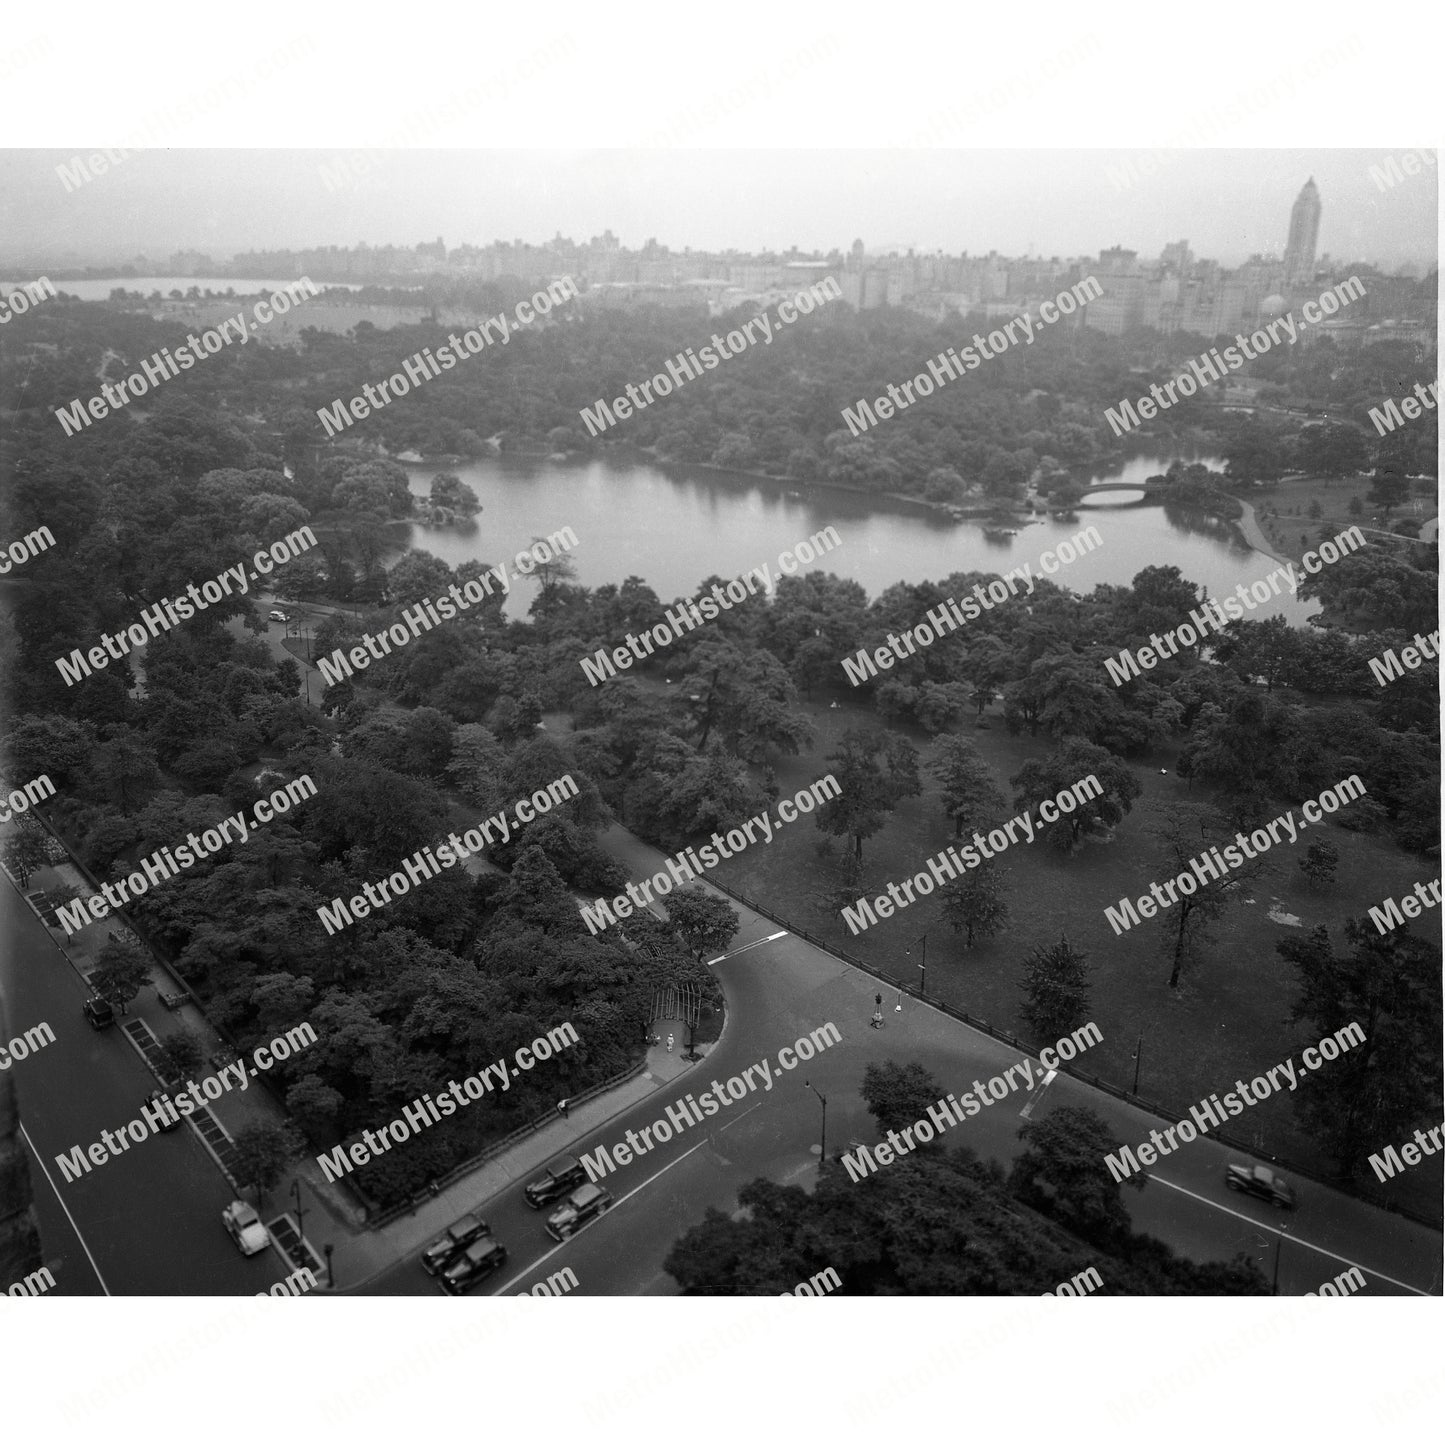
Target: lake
[675, 525]
[99, 289]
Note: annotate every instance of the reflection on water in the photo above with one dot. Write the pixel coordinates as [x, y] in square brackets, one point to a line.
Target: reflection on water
[674, 526]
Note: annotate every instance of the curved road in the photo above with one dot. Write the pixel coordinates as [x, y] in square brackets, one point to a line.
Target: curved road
[781, 991]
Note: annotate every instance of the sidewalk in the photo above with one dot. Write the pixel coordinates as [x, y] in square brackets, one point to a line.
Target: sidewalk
[361, 1254]
[331, 1214]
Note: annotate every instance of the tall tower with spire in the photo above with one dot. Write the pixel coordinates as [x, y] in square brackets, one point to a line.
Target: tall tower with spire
[1304, 234]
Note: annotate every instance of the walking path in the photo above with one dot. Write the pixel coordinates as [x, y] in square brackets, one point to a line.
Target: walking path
[359, 1252]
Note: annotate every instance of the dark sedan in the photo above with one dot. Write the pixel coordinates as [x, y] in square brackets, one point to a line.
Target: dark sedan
[472, 1266]
[445, 1248]
[561, 1175]
[1262, 1183]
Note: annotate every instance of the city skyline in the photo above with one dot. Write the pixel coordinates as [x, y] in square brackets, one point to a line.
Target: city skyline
[1230, 205]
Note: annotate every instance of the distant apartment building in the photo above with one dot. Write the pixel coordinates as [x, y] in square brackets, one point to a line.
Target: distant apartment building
[1304, 235]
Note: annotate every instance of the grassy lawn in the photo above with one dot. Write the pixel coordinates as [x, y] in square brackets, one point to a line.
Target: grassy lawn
[1294, 496]
[1230, 1016]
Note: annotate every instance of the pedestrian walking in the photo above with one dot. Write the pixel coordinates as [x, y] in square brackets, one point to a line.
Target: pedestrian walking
[669, 1043]
[562, 1107]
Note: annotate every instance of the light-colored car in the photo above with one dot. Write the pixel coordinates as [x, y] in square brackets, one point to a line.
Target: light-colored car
[244, 1225]
[276, 615]
[582, 1206]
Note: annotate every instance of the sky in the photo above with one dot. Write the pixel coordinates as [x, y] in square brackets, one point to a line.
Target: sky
[1228, 204]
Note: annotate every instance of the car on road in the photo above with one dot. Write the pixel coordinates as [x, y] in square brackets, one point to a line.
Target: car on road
[170, 1116]
[581, 1207]
[473, 1265]
[244, 1226]
[276, 615]
[445, 1248]
[99, 1012]
[560, 1176]
[1262, 1183]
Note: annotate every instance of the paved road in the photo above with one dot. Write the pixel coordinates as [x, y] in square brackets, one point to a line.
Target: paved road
[783, 990]
[151, 1217]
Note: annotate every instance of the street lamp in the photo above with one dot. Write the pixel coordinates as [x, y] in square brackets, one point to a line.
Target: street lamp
[1278, 1250]
[1138, 1058]
[908, 953]
[300, 1213]
[823, 1137]
[330, 1273]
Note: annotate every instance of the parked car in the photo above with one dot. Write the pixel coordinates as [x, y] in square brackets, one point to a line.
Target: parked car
[582, 1206]
[99, 1012]
[473, 1265]
[445, 1248]
[170, 1116]
[244, 1226]
[276, 615]
[1262, 1183]
[560, 1176]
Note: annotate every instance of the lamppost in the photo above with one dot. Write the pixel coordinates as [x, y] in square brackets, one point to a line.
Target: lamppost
[300, 1213]
[1138, 1057]
[1278, 1250]
[908, 953]
[823, 1137]
[330, 1273]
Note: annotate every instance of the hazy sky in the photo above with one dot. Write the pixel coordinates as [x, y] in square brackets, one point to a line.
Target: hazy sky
[1226, 203]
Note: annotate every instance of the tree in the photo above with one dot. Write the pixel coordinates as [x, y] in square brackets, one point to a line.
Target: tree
[747, 696]
[1388, 490]
[450, 492]
[179, 1053]
[1187, 921]
[1075, 762]
[1389, 1081]
[551, 574]
[974, 903]
[1320, 862]
[704, 921]
[874, 771]
[261, 1153]
[26, 853]
[1062, 1173]
[1056, 987]
[898, 1094]
[970, 795]
[124, 969]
